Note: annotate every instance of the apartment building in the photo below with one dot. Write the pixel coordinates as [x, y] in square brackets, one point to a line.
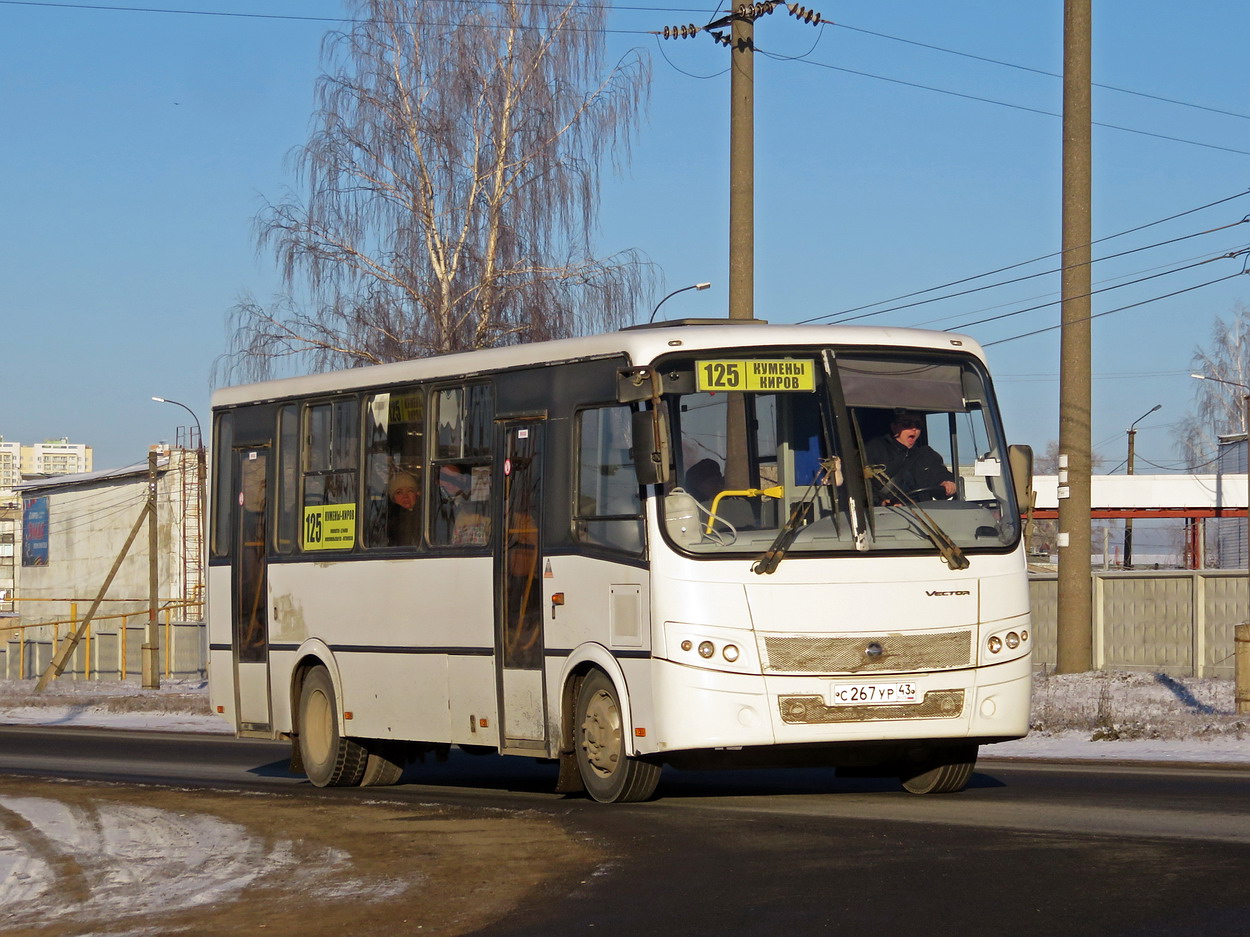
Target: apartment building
[10, 464]
[56, 457]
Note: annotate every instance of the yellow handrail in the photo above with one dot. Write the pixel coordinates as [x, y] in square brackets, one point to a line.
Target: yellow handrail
[777, 491]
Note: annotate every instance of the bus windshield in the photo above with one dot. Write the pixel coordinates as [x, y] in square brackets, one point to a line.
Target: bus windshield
[856, 451]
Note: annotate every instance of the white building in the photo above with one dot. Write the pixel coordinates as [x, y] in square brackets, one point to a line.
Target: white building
[10, 468]
[72, 530]
[56, 457]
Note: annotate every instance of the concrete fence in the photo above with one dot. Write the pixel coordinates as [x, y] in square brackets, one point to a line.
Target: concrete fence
[1178, 622]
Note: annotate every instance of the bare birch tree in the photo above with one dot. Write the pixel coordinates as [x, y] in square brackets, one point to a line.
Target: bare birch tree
[1218, 408]
[451, 188]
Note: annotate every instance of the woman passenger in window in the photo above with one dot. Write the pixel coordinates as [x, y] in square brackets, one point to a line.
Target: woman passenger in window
[401, 518]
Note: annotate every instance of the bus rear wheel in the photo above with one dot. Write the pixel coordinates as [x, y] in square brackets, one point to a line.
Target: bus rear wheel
[385, 765]
[941, 771]
[610, 775]
[330, 759]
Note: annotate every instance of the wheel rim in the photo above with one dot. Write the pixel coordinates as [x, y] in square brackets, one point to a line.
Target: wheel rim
[317, 727]
[601, 734]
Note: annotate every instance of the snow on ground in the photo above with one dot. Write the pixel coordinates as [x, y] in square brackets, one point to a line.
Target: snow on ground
[127, 859]
[178, 706]
[1092, 716]
[110, 860]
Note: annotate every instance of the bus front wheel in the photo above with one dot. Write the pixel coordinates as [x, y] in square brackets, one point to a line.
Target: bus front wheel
[610, 775]
[941, 771]
[330, 759]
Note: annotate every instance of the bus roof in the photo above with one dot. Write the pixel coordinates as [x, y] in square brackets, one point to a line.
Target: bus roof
[641, 344]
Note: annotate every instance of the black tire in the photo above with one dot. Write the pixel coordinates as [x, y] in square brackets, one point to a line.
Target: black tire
[610, 776]
[942, 771]
[330, 759]
[385, 764]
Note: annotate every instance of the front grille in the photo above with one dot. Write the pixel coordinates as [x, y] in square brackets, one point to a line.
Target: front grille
[899, 653]
[811, 710]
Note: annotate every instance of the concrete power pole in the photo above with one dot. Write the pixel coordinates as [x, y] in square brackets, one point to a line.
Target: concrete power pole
[1075, 606]
[742, 169]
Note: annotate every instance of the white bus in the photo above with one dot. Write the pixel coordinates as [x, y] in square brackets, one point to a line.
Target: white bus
[664, 545]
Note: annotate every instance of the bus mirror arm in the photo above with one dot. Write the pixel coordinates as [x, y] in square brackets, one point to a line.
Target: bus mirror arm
[650, 444]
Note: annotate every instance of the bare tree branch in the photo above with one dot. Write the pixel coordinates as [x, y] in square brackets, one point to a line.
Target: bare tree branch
[1218, 408]
[450, 189]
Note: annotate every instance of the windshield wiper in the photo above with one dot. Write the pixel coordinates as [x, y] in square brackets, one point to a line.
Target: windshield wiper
[830, 472]
[947, 547]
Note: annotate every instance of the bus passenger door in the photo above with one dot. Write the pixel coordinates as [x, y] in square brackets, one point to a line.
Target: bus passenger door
[249, 587]
[519, 593]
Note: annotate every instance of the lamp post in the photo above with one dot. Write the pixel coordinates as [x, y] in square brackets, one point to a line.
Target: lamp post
[693, 286]
[1128, 521]
[201, 473]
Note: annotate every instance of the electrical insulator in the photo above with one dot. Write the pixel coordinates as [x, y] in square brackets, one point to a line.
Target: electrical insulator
[681, 32]
[755, 10]
[804, 14]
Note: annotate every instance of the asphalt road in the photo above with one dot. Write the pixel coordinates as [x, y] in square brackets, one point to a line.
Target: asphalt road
[1028, 849]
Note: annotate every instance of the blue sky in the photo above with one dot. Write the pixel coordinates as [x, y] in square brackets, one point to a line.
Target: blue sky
[137, 148]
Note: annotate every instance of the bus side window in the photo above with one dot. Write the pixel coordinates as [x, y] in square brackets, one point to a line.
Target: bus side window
[286, 527]
[223, 491]
[394, 437]
[608, 508]
[329, 492]
[462, 467]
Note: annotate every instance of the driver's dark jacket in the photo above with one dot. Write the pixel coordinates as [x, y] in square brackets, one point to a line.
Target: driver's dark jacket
[909, 469]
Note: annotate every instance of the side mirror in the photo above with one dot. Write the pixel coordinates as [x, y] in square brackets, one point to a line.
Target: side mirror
[1020, 458]
[650, 445]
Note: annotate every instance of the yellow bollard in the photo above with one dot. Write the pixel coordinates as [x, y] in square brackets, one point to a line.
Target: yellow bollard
[168, 643]
[1241, 653]
[122, 668]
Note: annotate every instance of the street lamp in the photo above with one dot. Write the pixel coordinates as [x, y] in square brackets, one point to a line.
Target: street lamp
[695, 286]
[1128, 521]
[198, 434]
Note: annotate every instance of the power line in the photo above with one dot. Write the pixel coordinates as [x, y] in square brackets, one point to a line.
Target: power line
[1099, 315]
[1039, 71]
[1033, 276]
[1020, 107]
[1105, 289]
[1025, 263]
[166, 11]
[1028, 299]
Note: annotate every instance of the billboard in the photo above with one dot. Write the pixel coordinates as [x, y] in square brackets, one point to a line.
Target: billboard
[35, 532]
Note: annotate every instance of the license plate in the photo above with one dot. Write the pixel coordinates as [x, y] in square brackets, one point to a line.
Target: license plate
[871, 694]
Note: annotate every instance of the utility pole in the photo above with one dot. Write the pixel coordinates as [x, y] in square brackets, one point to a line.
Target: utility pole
[1075, 603]
[742, 168]
[741, 43]
[152, 635]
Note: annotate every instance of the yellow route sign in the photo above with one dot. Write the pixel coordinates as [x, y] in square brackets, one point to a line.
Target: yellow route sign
[755, 374]
[330, 527]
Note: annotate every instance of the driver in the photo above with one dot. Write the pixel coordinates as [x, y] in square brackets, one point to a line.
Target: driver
[909, 463]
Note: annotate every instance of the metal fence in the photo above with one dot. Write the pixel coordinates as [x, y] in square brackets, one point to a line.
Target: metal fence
[1178, 622]
[112, 645]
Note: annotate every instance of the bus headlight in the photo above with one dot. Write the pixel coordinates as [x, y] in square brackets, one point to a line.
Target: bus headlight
[730, 652]
[706, 649]
[995, 644]
[1013, 640]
